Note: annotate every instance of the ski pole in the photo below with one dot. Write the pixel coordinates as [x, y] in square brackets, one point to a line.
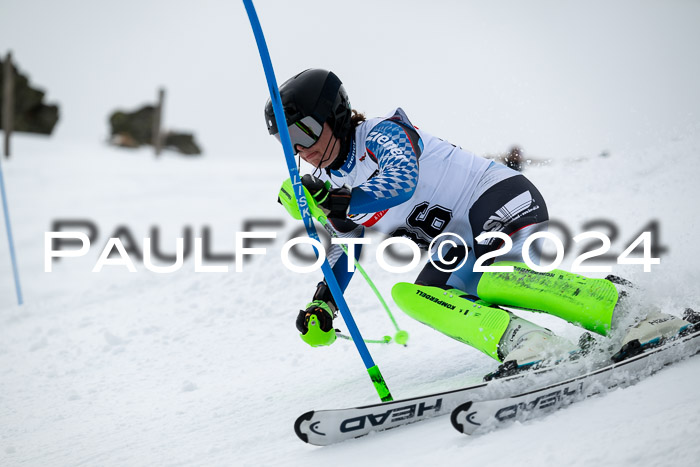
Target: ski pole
[401, 336]
[385, 340]
[8, 227]
[289, 202]
[372, 369]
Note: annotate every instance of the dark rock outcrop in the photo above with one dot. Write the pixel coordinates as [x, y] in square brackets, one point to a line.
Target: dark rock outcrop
[31, 114]
[134, 129]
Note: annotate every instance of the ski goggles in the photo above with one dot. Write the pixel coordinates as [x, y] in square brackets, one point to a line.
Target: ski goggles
[304, 133]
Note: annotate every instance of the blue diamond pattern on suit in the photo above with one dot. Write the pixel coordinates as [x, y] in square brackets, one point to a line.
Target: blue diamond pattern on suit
[398, 162]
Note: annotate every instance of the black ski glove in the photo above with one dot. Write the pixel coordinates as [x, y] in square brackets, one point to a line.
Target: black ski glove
[334, 202]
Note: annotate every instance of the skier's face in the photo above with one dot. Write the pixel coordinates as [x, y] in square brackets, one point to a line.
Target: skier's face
[324, 151]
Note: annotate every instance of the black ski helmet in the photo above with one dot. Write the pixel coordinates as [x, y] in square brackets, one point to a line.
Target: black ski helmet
[317, 94]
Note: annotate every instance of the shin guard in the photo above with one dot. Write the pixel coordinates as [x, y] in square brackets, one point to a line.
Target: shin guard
[580, 300]
[447, 311]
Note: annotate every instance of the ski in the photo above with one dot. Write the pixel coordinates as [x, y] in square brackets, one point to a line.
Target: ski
[486, 414]
[324, 427]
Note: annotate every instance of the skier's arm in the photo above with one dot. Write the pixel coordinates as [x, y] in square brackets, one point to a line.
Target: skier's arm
[396, 148]
[323, 306]
[337, 258]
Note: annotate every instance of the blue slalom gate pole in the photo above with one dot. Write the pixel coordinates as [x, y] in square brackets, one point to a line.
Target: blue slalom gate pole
[10, 241]
[374, 373]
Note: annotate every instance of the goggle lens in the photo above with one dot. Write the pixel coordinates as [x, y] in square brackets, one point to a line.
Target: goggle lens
[304, 133]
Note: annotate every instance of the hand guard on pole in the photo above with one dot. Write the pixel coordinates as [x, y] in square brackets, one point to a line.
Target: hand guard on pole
[316, 324]
[316, 321]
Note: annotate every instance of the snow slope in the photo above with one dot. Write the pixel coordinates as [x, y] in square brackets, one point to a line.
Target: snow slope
[118, 368]
[188, 368]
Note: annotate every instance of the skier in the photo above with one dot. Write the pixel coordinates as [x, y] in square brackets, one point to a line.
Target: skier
[386, 174]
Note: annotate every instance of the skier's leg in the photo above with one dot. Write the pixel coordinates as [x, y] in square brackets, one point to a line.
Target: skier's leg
[452, 313]
[586, 302]
[498, 333]
[438, 301]
[578, 299]
[492, 330]
[515, 207]
[594, 304]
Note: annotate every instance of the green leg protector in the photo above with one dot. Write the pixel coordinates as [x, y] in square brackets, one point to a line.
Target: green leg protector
[583, 301]
[476, 324]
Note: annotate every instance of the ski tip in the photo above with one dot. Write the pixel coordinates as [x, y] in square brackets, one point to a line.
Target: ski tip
[454, 418]
[297, 425]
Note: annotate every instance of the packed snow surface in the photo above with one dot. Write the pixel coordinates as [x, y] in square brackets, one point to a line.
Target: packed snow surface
[139, 368]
